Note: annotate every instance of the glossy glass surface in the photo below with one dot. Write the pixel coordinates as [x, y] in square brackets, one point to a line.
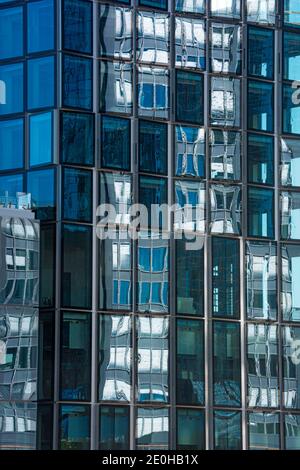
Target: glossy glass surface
[77, 26]
[291, 55]
[116, 189]
[77, 82]
[115, 32]
[114, 428]
[263, 429]
[11, 144]
[115, 87]
[153, 92]
[115, 143]
[41, 139]
[74, 427]
[260, 106]
[291, 367]
[261, 11]
[40, 83]
[153, 141]
[189, 151]
[290, 212]
[152, 194]
[190, 210]
[11, 89]
[77, 140]
[290, 294]
[47, 266]
[46, 356]
[40, 26]
[190, 429]
[291, 110]
[230, 9]
[292, 431]
[225, 206]
[225, 48]
[291, 13]
[227, 430]
[189, 97]
[41, 185]
[260, 156]
[260, 212]
[11, 35]
[152, 37]
[189, 43]
[77, 194]
[152, 428]
[225, 154]
[260, 52]
[290, 162]
[225, 102]
[190, 6]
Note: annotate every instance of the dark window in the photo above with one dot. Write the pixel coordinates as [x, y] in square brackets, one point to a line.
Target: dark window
[153, 191]
[291, 55]
[77, 26]
[260, 52]
[46, 356]
[228, 433]
[115, 143]
[41, 139]
[11, 144]
[161, 4]
[77, 194]
[11, 27]
[190, 429]
[114, 428]
[77, 138]
[74, 427]
[47, 265]
[41, 186]
[40, 26]
[260, 212]
[260, 106]
[44, 427]
[189, 97]
[153, 138]
[260, 159]
[291, 110]
[77, 82]
[11, 89]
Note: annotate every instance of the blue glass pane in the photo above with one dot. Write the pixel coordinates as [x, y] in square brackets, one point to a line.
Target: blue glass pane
[77, 26]
[153, 191]
[228, 432]
[41, 145]
[260, 52]
[41, 186]
[41, 82]
[292, 12]
[260, 106]
[115, 143]
[77, 82]
[77, 195]
[153, 147]
[11, 144]
[291, 56]
[190, 151]
[114, 428]
[291, 110]
[40, 26]
[74, 427]
[11, 89]
[11, 32]
[189, 97]
[11, 184]
[161, 4]
[77, 138]
[260, 159]
[190, 429]
[260, 212]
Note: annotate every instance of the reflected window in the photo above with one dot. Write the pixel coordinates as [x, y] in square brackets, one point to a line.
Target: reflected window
[77, 82]
[290, 162]
[263, 430]
[115, 32]
[115, 143]
[11, 184]
[260, 159]
[161, 4]
[41, 82]
[290, 215]
[77, 139]
[44, 427]
[291, 55]
[77, 194]
[225, 102]
[47, 265]
[260, 52]
[225, 47]
[153, 92]
[11, 89]
[260, 212]
[11, 27]
[114, 428]
[189, 43]
[291, 13]
[152, 428]
[261, 11]
[290, 294]
[189, 151]
[12, 144]
[292, 431]
[190, 6]
[153, 141]
[190, 381]
[230, 8]
[40, 26]
[260, 106]
[190, 429]
[77, 26]
[227, 363]
[115, 361]
[291, 367]
[116, 189]
[41, 186]
[152, 37]
[18, 425]
[190, 210]
[115, 87]
[153, 192]
[41, 139]
[74, 427]
[227, 430]
[225, 206]
[189, 97]
[225, 154]
[291, 110]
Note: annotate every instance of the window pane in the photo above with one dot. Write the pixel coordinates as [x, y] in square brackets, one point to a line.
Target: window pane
[40, 26]
[189, 151]
[260, 159]
[189, 43]
[190, 211]
[74, 427]
[11, 89]
[11, 32]
[152, 428]
[11, 144]
[260, 52]
[261, 280]
[225, 151]
[290, 162]
[153, 137]
[190, 6]
[153, 192]
[225, 206]
[227, 364]
[190, 429]
[41, 82]
[115, 143]
[225, 48]
[153, 92]
[190, 379]
[115, 32]
[116, 87]
[41, 145]
[18, 421]
[227, 429]
[263, 431]
[77, 26]
[46, 356]
[260, 212]
[77, 138]
[47, 265]
[189, 97]
[291, 55]
[225, 102]
[290, 213]
[230, 9]
[291, 367]
[190, 276]
[75, 360]
[114, 428]
[44, 427]
[225, 277]
[77, 82]
[76, 251]
[292, 13]
[260, 106]
[290, 293]
[153, 37]
[115, 356]
[292, 431]
[77, 195]
[291, 110]
[41, 186]
[10, 185]
[115, 189]
[162, 4]
[261, 11]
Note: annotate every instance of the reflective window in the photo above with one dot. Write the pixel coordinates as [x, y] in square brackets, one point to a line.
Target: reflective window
[225, 207]
[115, 359]
[41, 186]
[18, 425]
[292, 431]
[190, 210]
[260, 159]
[261, 280]
[227, 363]
[10, 185]
[40, 26]
[225, 277]
[291, 367]
[190, 6]
[290, 294]
[11, 89]
[153, 92]
[189, 151]
[291, 110]
[190, 276]
[225, 154]
[115, 143]
[47, 265]
[153, 141]
[77, 138]
[77, 194]
[74, 427]
[152, 428]
[227, 430]
[152, 194]
[190, 429]
[153, 37]
[190, 381]
[44, 427]
[114, 428]
[290, 213]
[260, 106]
[41, 88]
[12, 144]
[115, 32]
[76, 251]
[260, 212]
[260, 52]
[189, 97]
[262, 366]
[41, 145]
[230, 8]
[77, 82]
[162, 4]
[291, 13]
[115, 189]
[263, 429]
[75, 356]
[115, 87]
[290, 162]
[261, 11]
[46, 356]
[291, 55]
[77, 26]
[225, 48]
[225, 102]
[189, 43]
[11, 32]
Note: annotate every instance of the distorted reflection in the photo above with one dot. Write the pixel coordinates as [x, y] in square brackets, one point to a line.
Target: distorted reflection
[189, 43]
[225, 102]
[225, 48]
[116, 87]
[191, 6]
[152, 359]
[290, 292]
[227, 8]
[290, 215]
[292, 431]
[115, 32]
[261, 280]
[262, 362]
[228, 435]
[153, 92]
[17, 426]
[190, 197]
[261, 11]
[263, 431]
[190, 151]
[290, 162]
[225, 151]
[152, 428]
[74, 427]
[225, 209]
[291, 367]
[115, 358]
[153, 37]
[116, 189]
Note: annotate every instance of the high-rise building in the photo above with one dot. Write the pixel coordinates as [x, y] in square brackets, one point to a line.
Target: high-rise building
[150, 343]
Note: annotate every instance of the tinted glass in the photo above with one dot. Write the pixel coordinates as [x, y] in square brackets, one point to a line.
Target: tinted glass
[260, 159]
[41, 146]
[40, 26]
[291, 367]
[115, 189]
[292, 431]
[47, 265]
[290, 211]
[153, 191]
[77, 194]
[260, 212]
[225, 152]
[189, 151]
[261, 11]
[162, 4]
[292, 13]
[189, 97]
[291, 55]
[115, 143]
[260, 52]
[114, 428]
[153, 92]
[227, 430]
[115, 32]
[44, 427]
[225, 48]
[77, 26]
[290, 162]
[115, 87]
[11, 144]
[190, 429]
[225, 206]
[77, 82]
[46, 356]
[190, 43]
[41, 185]
[291, 110]
[41, 88]
[74, 427]
[11, 184]
[225, 102]
[260, 106]
[263, 431]
[153, 147]
[11, 89]
[152, 428]
[77, 139]
[11, 36]
[290, 295]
